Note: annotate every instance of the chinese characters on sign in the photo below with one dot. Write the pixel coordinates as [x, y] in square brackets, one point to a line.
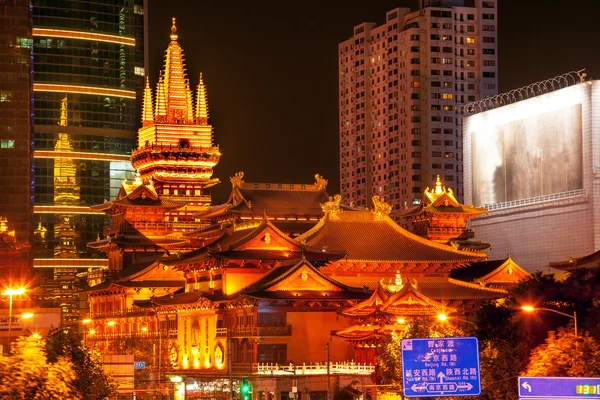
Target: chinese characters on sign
[436, 367]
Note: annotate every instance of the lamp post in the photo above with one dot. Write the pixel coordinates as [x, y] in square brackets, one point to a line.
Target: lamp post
[574, 316]
[10, 292]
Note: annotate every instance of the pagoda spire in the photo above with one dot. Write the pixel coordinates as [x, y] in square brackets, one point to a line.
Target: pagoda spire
[147, 111]
[190, 109]
[201, 103]
[176, 86]
[161, 102]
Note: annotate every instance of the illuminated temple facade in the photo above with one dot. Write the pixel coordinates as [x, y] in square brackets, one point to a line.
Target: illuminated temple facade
[267, 285]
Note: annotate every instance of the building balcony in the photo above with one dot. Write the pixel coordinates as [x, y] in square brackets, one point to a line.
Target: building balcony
[254, 331]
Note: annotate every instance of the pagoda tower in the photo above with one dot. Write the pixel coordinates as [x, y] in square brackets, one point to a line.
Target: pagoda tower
[175, 144]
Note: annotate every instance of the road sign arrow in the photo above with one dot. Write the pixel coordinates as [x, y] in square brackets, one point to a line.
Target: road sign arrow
[441, 375]
[526, 386]
[415, 387]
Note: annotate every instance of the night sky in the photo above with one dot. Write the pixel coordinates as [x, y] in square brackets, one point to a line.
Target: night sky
[271, 71]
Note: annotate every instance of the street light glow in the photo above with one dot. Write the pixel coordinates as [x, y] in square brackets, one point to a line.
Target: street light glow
[27, 315]
[13, 292]
[528, 308]
[86, 321]
[92, 331]
[401, 320]
[442, 317]
[111, 323]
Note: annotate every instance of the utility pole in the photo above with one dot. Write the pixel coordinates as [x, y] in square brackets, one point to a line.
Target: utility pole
[229, 368]
[328, 374]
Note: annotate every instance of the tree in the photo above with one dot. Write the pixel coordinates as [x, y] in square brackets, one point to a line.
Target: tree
[500, 364]
[27, 374]
[91, 382]
[565, 355]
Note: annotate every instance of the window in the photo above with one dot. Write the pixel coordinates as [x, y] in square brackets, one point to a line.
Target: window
[436, 153]
[416, 84]
[436, 142]
[435, 107]
[488, 16]
[489, 28]
[447, 61]
[414, 37]
[470, 63]
[470, 28]
[7, 144]
[435, 83]
[448, 119]
[415, 61]
[489, 51]
[272, 353]
[470, 17]
[447, 96]
[448, 72]
[435, 37]
[470, 40]
[489, 39]
[489, 63]
[435, 49]
[470, 52]
[415, 72]
[448, 108]
[165, 191]
[415, 154]
[414, 49]
[489, 74]
[436, 96]
[449, 155]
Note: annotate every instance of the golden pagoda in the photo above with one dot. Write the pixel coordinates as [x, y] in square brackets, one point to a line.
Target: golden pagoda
[176, 151]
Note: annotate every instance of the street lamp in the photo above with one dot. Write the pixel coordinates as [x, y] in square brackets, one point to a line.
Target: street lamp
[574, 316]
[10, 292]
[443, 317]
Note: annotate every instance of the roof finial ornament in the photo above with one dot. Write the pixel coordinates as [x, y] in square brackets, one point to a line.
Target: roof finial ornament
[237, 180]
[398, 281]
[320, 182]
[380, 207]
[438, 185]
[333, 205]
[174, 35]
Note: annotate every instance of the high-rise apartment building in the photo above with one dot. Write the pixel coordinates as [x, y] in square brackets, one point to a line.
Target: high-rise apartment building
[16, 204]
[402, 87]
[88, 81]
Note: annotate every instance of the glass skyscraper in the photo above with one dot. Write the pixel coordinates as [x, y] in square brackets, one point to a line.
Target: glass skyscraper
[88, 63]
[16, 204]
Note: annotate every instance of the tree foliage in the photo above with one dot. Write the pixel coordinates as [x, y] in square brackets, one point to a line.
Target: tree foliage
[500, 364]
[565, 355]
[91, 382]
[27, 374]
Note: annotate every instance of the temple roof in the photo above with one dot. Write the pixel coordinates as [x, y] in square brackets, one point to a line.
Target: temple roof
[494, 273]
[254, 240]
[441, 200]
[590, 261]
[300, 279]
[439, 288]
[398, 299]
[254, 199]
[367, 236]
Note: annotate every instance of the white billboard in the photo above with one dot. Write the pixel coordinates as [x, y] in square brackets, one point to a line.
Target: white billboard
[527, 149]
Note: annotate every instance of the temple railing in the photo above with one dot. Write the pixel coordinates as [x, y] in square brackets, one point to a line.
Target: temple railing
[251, 331]
[128, 312]
[318, 368]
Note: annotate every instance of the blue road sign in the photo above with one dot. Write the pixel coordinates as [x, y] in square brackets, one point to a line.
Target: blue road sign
[139, 364]
[439, 367]
[538, 387]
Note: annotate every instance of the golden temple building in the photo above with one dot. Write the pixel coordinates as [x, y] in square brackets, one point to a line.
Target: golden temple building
[275, 283]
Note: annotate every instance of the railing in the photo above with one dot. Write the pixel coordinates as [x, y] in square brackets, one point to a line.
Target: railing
[536, 200]
[247, 331]
[117, 335]
[143, 225]
[129, 312]
[241, 367]
[319, 368]
[450, 231]
[160, 147]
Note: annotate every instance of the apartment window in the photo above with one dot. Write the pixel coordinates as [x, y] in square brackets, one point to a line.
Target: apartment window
[447, 84]
[448, 108]
[416, 84]
[435, 49]
[448, 178]
[448, 72]
[436, 95]
[414, 49]
[436, 142]
[416, 166]
[416, 190]
[489, 51]
[435, 25]
[447, 96]
[449, 155]
[489, 39]
[471, 75]
[272, 353]
[489, 28]
[470, 28]
[448, 131]
[415, 119]
[436, 130]
[415, 107]
[448, 142]
[448, 119]
[415, 154]
[436, 154]
[416, 178]
[470, 17]
[470, 63]
[489, 63]
[470, 52]
[435, 72]
[414, 37]
[447, 49]
[435, 60]
[415, 131]
[415, 96]
[489, 74]
[436, 166]
[446, 61]
[415, 72]
[435, 107]
[470, 40]
[447, 25]
[435, 83]
[415, 61]
[448, 166]
[488, 16]
[434, 37]
[470, 98]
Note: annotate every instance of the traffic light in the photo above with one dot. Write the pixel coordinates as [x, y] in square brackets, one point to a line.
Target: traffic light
[245, 390]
